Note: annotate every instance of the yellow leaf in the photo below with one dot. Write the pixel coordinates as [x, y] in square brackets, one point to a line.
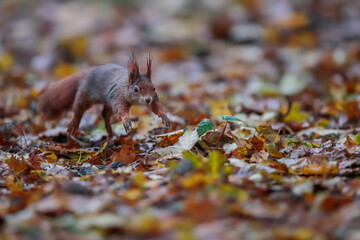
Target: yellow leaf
[145, 223]
[102, 149]
[197, 162]
[220, 108]
[301, 233]
[33, 93]
[12, 185]
[292, 171]
[6, 61]
[133, 194]
[216, 164]
[295, 114]
[63, 70]
[185, 231]
[195, 180]
[52, 156]
[234, 192]
[77, 46]
[22, 102]
[357, 87]
[323, 123]
[139, 179]
[304, 233]
[303, 39]
[270, 135]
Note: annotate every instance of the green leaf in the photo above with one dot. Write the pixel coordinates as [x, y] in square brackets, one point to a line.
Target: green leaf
[307, 144]
[204, 126]
[292, 139]
[357, 139]
[230, 118]
[273, 151]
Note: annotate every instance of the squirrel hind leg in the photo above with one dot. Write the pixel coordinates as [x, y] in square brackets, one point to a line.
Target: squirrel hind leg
[106, 114]
[79, 111]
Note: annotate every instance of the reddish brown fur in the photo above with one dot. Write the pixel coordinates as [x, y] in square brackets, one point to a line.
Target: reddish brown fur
[145, 87]
[133, 69]
[158, 110]
[148, 66]
[59, 97]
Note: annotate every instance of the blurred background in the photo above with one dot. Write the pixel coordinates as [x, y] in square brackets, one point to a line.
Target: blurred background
[210, 57]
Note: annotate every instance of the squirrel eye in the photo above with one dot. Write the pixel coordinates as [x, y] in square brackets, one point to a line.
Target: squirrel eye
[136, 89]
[154, 88]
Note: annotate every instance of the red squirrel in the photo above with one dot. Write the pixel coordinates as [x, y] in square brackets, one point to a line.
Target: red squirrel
[114, 86]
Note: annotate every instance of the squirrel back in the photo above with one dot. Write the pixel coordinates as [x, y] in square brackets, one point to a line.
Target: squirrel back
[105, 83]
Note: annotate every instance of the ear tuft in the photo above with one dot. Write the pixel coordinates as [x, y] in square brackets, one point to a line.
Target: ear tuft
[133, 69]
[148, 66]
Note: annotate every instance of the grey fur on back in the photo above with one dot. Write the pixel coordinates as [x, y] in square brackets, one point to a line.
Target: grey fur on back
[106, 82]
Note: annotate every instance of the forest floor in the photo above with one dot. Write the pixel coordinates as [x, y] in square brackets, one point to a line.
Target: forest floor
[264, 103]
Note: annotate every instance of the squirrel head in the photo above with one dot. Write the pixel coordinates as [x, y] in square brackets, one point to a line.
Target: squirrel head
[141, 89]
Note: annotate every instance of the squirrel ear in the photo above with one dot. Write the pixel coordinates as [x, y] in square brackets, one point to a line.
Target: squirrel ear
[148, 66]
[133, 69]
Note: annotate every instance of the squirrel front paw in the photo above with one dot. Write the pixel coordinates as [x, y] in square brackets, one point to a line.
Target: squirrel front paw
[165, 120]
[127, 126]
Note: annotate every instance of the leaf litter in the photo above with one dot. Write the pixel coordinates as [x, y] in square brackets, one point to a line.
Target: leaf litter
[231, 166]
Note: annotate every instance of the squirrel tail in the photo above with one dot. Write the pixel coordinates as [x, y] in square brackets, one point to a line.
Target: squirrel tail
[59, 97]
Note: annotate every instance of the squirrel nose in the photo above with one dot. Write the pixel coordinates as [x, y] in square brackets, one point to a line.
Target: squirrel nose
[148, 100]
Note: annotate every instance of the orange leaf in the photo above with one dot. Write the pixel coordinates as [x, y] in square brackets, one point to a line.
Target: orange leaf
[16, 164]
[126, 155]
[12, 185]
[324, 168]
